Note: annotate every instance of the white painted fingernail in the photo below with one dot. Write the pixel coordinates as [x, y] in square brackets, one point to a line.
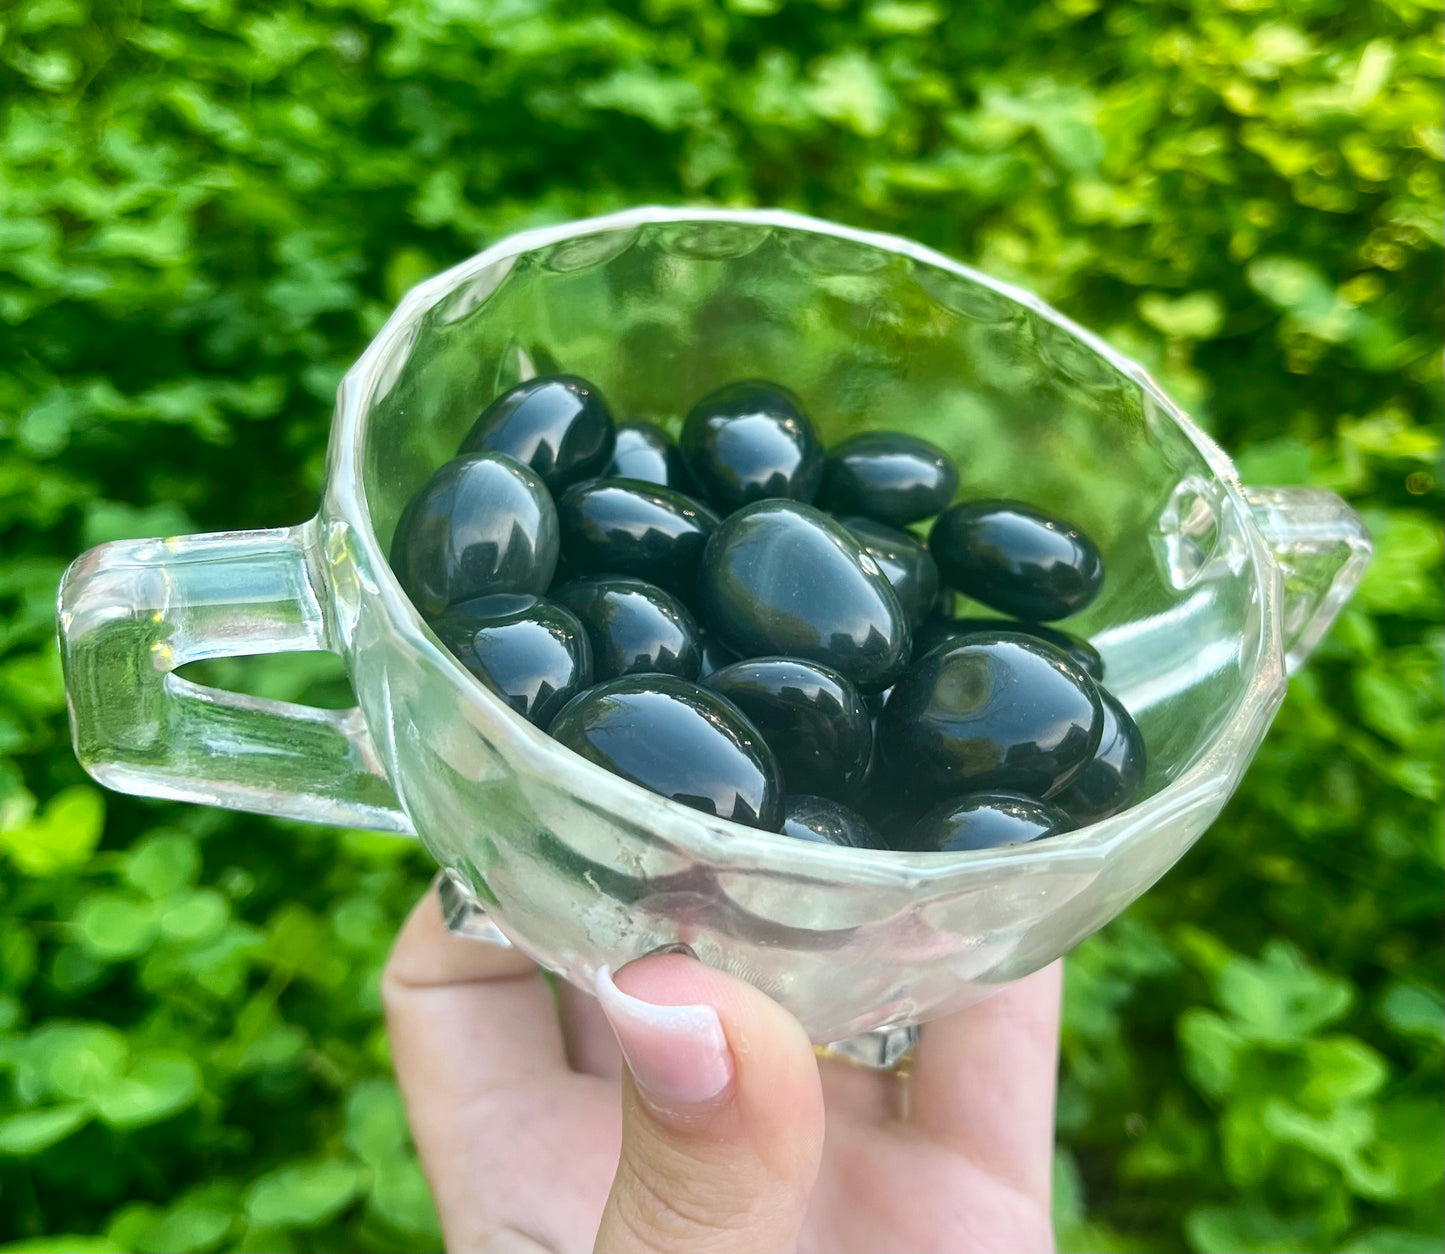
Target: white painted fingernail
[677, 1054]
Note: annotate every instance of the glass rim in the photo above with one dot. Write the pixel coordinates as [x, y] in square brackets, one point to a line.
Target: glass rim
[705, 836]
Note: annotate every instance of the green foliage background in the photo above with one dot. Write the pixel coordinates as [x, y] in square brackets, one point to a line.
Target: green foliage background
[208, 206]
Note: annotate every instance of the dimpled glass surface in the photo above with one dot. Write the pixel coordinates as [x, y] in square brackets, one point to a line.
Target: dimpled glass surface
[657, 307]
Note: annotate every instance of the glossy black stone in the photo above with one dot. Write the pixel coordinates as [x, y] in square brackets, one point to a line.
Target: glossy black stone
[895, 478]
[627, 527]
[678, 740]
[988, 820]
[904, 560]
[1112, 778]
[992, 711]
[935, 631]
[532, 653]
[812, 718]
[827, 822]
[480, 525]
[750, 441]
[780, 578]
[635, 627]
[559, 425]
[715, 654]
[643, 451]
[1017, 559]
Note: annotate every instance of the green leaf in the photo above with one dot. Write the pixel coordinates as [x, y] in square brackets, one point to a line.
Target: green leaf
[1280, 999]
[62, 837]
[162, 864]
[66, 1243]
[400, 1195]
[195, 917]
[1212, 1049]
[187, 1229]
[1341, 1069]
[1414, 1010]
[157, 1087]
[115, 926]
[849, 90]
[303, 1195]
[1197, 316]
[32, 1131]
[376, 1128]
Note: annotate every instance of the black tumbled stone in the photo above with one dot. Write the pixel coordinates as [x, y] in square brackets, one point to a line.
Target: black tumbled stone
[1017, 559]
[480, 525]
[812, 718]
[559, 425]
[991, 711]
[751, 441]
[532, 653]
[635, 627]
[895, 478]
[678, 740]
[627, 527]
[780, 578]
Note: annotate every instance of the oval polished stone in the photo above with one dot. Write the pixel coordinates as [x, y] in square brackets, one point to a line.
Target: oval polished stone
[750, 441]
[1017, 559]
[533, 654]
[895, 478]
[780, 578]
[480, 525]
[936, 631]
[643, 451]
[904, 560]
[635, 627]
[627, 527]
[988, 820]
[812, 718]
[992, 711]
[827, 822]
[680, 741]
[559, 425]
[1112, 778]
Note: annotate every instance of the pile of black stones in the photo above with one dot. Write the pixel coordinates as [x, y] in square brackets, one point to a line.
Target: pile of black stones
[742, 621]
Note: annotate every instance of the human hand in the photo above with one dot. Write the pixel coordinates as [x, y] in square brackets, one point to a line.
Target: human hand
[719, 1141]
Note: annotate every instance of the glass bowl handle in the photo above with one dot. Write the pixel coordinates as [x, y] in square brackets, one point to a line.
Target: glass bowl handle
[134, 611]
[1322, 548]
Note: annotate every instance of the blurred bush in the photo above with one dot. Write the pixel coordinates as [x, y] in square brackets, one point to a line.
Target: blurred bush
[208, 206]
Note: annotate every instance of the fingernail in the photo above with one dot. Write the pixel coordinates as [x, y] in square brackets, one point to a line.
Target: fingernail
[677, 1054]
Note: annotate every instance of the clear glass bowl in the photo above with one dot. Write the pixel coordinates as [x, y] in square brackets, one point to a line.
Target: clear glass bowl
[1214, 592]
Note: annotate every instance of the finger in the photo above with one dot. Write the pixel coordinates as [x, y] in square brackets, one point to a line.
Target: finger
[501, 1125]
[591, 1047]
[722, 1116]
[984, 1081]
[860, 1094]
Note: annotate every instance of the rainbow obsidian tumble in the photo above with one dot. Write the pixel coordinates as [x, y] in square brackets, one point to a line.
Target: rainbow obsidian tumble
[988, 820]
[1017, 559]
[644, 452]
[935, 631]
[482, 524]
[634, 627]
[991, 711]
[783, 578]
[905, 562]
[812, 718]
[558, 425]
[680, 741]
[712, 635]
[1111, 779]
[884, 475]
[629, 527]
[827, 822]
[532, 653]
[751, 441]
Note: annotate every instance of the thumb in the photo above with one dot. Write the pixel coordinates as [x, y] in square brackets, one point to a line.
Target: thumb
[722, 1113]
